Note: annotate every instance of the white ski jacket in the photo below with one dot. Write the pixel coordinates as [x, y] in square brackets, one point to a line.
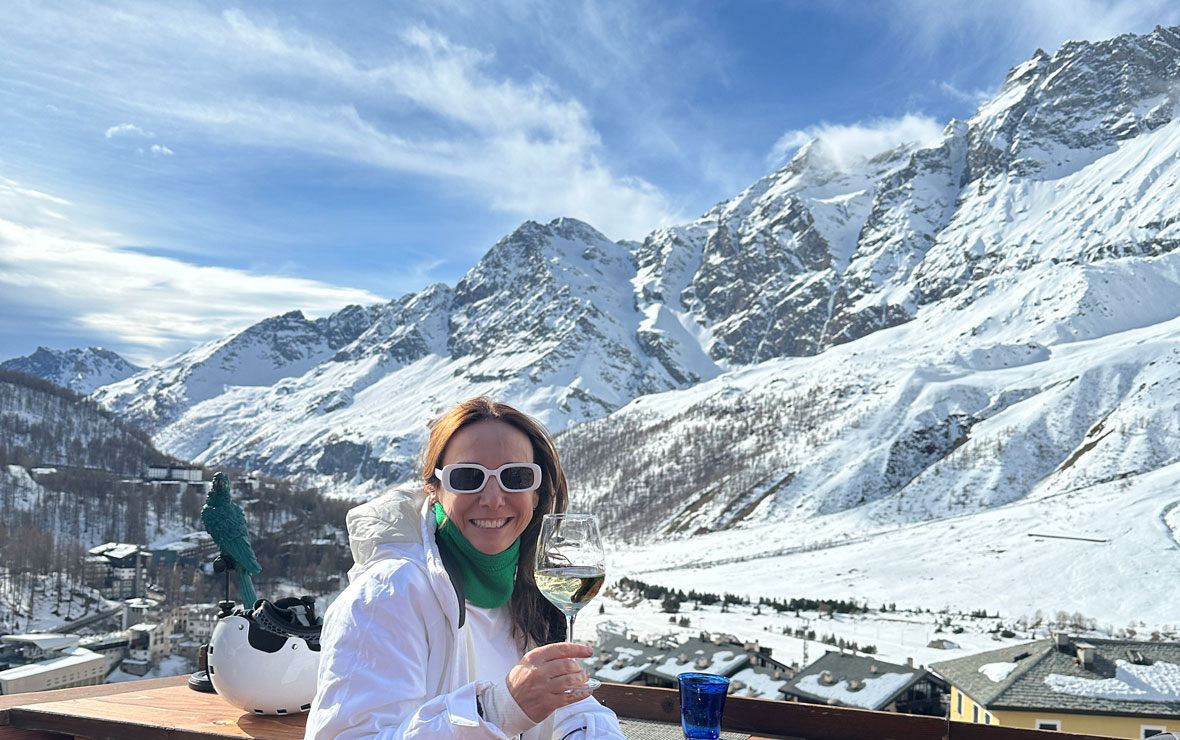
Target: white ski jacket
[394, 664]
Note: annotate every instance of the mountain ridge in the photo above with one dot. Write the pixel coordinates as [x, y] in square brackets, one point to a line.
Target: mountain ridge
[80, 370]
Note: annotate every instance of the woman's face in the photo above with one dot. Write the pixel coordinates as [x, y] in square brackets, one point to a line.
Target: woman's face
[491, 520]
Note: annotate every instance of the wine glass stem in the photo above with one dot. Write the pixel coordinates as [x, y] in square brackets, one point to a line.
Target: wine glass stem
[569, 635]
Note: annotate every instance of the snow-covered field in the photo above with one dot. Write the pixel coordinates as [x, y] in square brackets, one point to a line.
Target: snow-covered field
[897, 636]
[1013, 562]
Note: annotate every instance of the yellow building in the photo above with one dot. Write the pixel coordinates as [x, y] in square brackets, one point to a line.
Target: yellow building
[1119, 688]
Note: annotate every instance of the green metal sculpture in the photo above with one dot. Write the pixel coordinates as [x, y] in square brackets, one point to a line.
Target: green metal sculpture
[226, 523]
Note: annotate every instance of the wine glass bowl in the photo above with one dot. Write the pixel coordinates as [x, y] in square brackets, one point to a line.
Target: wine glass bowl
[570, 565]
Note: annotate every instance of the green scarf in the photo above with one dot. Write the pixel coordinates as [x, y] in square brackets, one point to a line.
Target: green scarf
[487, 579]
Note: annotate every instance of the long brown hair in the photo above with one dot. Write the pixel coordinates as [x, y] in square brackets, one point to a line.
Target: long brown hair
[533, 617]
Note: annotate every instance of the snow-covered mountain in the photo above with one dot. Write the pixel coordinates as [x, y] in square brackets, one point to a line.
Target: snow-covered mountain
[547, 318]
[81, 370]
[1036, 348]
[920, 334]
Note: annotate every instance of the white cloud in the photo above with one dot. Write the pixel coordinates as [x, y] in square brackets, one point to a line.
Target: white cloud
[10, 190]
[521, 146]
[160, 150]
[145, 306]
[1020, 26]
[847, 144]
[975, 97]
[127, 129]
[417, 104]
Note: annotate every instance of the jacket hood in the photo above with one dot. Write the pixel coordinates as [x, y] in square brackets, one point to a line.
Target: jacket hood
[395, 525]
[392, 518]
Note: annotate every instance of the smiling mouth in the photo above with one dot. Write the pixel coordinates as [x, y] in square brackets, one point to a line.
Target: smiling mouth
[490, 523]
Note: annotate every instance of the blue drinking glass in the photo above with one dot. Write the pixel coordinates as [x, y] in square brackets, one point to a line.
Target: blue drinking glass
[702, 700]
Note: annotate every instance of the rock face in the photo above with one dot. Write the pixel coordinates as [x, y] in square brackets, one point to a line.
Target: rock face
[1045, 221]
[80, 370]
[1057, 113]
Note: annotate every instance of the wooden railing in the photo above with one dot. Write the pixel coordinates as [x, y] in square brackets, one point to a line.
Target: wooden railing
[165, 708]
[765, 717]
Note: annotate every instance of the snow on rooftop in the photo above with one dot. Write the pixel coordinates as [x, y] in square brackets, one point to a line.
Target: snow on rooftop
[624, 667]
[88, 641]
[874, 693]
[116, 550]
[72, 657]
[997, 671]
[1157, 682]
[43, 640]
[622, 674]
[759, 684]
[721, 663]
[178, 546]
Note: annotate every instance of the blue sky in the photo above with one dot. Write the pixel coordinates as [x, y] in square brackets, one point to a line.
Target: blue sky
[170, 172]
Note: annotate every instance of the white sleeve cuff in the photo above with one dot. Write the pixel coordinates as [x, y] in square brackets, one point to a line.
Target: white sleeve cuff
[501, 710]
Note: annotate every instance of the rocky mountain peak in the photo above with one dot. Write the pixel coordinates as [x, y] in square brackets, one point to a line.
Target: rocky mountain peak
[80, 370]
[1054, 115]
[540, 285]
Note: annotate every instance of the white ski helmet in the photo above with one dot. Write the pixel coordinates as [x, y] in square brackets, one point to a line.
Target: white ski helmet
[265, 661]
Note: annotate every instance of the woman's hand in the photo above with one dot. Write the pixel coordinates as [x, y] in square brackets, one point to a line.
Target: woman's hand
[538, 682]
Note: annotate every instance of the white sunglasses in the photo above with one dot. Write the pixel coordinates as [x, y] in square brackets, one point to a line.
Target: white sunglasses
[472, 477]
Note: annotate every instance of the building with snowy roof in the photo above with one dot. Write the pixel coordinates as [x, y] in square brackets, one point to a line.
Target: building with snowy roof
[147, 645]
[1118, 688]
[117, 569]
[626, 659]
[867, 682]
[193, 548]
[619, 659]
[55, 662]
[36, 645]
[696, 655]
[112, 646]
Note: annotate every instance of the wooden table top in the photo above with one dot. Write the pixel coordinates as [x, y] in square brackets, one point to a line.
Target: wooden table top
[148, 713]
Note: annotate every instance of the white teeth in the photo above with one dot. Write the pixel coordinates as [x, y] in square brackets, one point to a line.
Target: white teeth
[489, 523]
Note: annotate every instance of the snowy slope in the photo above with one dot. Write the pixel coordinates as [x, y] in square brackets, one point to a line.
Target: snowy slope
[261, 355]
[1001, 558]
[905, 422]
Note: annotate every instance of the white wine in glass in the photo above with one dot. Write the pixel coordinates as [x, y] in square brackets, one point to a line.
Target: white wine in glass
[571, 565]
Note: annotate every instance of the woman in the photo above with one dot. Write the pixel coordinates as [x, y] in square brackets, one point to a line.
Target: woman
[403, 656]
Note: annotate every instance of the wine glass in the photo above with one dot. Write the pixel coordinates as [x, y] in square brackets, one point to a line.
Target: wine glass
[571, 565]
